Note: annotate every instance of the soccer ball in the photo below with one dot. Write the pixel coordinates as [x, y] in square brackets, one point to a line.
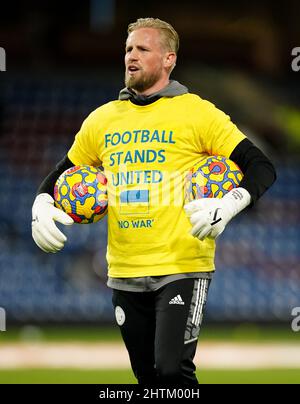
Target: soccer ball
[212, 177]
[81, 192]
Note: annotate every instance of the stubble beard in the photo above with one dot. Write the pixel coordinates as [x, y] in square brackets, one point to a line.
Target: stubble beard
[142, 81]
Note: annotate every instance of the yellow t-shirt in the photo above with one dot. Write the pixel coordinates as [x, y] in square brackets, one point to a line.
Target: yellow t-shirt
[146, 152]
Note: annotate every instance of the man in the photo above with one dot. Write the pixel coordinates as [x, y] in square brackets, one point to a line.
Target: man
[159, 268]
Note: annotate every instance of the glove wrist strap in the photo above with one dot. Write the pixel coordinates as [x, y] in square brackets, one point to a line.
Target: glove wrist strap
[238, 199]
[45, 198]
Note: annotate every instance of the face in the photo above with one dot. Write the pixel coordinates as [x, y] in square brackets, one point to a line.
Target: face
[145, 59]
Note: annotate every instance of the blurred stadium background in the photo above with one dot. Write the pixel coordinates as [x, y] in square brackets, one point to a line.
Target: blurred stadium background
[63, 60]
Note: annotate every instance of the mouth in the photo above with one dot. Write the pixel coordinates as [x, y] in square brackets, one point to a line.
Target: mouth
[132, 69]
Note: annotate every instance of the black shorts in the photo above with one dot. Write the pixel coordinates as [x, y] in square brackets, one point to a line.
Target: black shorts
[161, 328]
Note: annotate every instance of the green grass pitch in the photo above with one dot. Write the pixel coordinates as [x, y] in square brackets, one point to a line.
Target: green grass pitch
[241, 333]
[70, 376]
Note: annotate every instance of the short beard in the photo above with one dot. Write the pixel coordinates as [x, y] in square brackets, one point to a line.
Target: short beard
[143, 82]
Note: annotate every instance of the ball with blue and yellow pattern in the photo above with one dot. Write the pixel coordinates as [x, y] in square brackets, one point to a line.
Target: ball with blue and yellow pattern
[81, 192]
[212, 177]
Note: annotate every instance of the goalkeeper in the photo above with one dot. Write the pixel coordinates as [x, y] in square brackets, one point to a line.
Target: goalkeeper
[161, 263]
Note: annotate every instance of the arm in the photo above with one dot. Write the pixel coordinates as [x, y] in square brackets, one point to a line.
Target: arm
[47, 185]
[210, 216]
[259, 172]
[44, 214]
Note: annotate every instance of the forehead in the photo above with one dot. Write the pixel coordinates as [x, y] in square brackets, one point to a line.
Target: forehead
[146, 36]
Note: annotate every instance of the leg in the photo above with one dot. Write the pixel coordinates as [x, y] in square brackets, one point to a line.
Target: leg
[177, 329]
[138, 331]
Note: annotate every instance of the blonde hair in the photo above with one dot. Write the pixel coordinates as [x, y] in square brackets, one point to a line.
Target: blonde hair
[170, 38]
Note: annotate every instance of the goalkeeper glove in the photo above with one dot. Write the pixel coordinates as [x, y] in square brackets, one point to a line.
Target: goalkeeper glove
[209, 216]
[44, 231]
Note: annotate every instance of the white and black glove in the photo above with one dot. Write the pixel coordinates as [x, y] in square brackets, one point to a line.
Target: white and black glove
[209, 216]
[45, 233]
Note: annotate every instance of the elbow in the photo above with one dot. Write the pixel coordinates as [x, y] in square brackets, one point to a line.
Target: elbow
[273, 172]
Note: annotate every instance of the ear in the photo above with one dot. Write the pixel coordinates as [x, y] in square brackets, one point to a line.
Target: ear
[170, 59]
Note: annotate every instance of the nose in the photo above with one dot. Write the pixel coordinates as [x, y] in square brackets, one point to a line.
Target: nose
[133, 55]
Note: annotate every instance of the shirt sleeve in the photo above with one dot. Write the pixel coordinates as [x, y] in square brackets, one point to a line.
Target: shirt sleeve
[259, 172]
[47, 185]
[85, 149]
[219, 135]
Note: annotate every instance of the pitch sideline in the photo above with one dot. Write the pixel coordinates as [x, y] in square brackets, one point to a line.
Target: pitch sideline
[213, 355]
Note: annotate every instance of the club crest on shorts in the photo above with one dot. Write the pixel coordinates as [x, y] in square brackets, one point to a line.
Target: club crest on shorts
[120, 315]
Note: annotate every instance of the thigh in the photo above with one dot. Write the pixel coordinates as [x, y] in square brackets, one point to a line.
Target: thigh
[135, 315]
[179, 312]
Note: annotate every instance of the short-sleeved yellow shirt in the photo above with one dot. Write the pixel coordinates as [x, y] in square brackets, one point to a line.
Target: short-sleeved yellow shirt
[146, 152]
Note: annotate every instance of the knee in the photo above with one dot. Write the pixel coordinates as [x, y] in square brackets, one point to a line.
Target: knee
[175, 373]
[168, 374]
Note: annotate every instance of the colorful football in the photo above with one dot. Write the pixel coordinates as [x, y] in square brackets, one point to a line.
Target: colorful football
[81, 192]
[212, 177]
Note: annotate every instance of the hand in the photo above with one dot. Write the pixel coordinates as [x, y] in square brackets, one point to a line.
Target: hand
[209, 216]
[44, 231]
